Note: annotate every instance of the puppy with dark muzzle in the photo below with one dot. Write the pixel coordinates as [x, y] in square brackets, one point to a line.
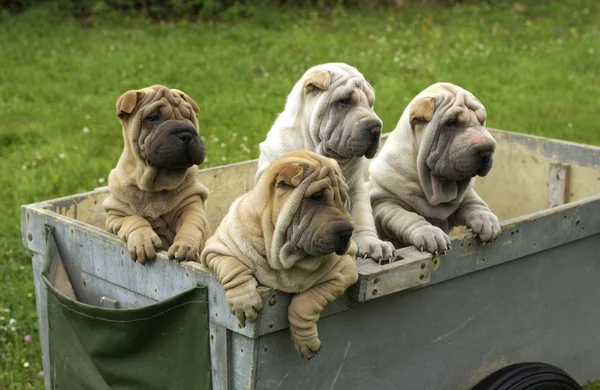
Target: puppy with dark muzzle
[291, 232]
[155, 200]
[421, 184]
[330, 111]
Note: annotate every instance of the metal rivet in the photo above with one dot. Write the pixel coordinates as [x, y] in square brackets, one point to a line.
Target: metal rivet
[422, 277]
[376, 281]
[423, 266]
[30, 237]
[375, 292]
[273, 300]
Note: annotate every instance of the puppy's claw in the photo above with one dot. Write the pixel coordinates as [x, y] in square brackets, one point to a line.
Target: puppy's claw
[421, 249]
[444, 252]
[435, 253]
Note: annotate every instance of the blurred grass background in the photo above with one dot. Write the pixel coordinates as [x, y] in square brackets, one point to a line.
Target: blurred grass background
[534, 65]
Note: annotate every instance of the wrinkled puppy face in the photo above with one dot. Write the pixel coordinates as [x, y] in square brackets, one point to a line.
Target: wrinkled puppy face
[462, 147]
[162, 127]
[348, 126]
[321, 224]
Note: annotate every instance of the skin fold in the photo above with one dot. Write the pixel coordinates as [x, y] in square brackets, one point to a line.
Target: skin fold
[291, 232]
[155, 201]
[330, 111]
[421, 183]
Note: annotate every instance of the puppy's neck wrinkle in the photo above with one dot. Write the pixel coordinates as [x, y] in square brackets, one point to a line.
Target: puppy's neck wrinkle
[436, 190]
[132, 170]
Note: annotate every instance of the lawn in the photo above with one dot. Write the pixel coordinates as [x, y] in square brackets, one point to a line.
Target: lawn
[535, 66]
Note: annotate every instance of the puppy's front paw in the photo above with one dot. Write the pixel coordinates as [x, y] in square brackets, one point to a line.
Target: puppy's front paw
[142, 244]
[486, 225]
[307, 348]
[183, 251]
[432, 239]
[379, 251]
[244, 302]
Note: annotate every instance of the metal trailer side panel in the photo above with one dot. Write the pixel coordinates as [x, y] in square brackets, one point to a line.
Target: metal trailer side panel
[543, 307]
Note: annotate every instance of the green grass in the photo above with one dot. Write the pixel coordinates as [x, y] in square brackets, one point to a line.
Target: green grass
[535, 67]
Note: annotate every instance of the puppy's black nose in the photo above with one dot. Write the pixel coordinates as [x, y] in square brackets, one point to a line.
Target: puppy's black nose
[345, 235]
[486, 155]
[375, 131]
[184, 136]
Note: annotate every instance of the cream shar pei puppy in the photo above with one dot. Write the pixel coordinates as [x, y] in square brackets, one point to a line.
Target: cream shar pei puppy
[330, 112]
[291, 232]
[155, 200]
[421, 184]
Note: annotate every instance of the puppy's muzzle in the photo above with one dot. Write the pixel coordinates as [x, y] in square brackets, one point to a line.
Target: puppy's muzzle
[487, 158]
[373, 129]
[176, 145]
[344, 237]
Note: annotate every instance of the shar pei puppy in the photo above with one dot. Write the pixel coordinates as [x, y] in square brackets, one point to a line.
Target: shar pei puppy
[155, 201]
[330, 112]
[421, 183]
[291, 232]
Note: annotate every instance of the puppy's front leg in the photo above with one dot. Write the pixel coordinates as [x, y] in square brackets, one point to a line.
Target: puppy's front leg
[136, 231]
[305, 309]
[191, 230]
[410, 228]
[365, 235]
[477, 216]
[239, 284]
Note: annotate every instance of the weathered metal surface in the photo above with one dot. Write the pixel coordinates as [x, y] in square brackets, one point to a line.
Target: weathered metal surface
[558, 185]
[243, 362]
[521, 237]
[219, 357]
[412, 269]
[559, 238]
[110, 302]
[158, 280]
[450, 335]
[41, 296]
[518, 183]
[226, 185]
[554, 149]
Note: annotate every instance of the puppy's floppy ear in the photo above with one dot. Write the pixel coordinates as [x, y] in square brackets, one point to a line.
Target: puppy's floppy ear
[317, 80]
[189, 100]
[126, 103]
[290, 175]
[422, 110]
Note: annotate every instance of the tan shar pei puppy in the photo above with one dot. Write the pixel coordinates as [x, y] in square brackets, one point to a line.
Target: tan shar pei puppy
[155, 200]
[421, 183]
[330, 112]
[292, 232]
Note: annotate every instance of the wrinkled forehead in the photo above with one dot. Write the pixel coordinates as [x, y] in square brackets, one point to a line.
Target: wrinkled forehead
[462, 106]
[154, 98]
[327, 177]
[349, 85]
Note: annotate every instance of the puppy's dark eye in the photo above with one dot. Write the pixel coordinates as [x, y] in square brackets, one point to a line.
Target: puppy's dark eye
[317, 195]
[153, 118]
[344, 102]
[451, 122]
